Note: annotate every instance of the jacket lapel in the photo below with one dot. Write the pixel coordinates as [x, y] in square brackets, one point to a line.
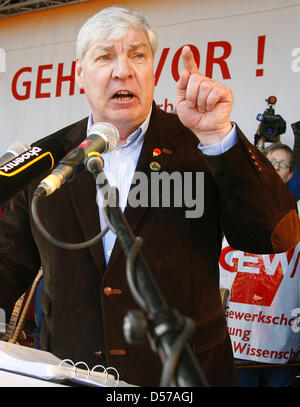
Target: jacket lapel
[83, 194]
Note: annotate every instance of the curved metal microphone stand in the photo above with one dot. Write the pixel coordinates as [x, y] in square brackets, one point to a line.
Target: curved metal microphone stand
[167, 331]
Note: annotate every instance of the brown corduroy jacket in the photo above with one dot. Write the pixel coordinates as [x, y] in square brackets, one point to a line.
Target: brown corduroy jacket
[243, 198]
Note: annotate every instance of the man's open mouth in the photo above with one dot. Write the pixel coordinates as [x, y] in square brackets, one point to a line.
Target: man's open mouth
[123, 95]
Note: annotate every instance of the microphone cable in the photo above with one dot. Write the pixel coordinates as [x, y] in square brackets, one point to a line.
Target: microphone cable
[73, 160]
[50, 238]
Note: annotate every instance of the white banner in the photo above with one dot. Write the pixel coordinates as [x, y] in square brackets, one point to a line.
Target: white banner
[253, 47]
[263, 306]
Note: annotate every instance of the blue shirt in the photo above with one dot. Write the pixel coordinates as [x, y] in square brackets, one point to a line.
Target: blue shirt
[294, 184]
[119, 168]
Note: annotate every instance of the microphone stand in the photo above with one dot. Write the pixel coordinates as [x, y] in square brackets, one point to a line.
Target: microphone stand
[167, 331]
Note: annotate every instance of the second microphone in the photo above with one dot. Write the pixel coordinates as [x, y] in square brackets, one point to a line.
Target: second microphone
[102, 138]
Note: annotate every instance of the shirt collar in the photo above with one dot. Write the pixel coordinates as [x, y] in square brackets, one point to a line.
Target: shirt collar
[134, 138]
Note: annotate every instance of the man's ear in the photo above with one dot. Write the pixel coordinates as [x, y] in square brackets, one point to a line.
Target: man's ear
[79, 74]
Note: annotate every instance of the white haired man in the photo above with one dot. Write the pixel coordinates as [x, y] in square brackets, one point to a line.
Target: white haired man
[86, 295]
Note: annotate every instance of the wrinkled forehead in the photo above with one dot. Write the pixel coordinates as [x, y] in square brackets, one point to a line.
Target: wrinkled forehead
[131, 38]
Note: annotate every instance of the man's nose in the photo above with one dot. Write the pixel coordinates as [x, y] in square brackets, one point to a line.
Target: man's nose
[122, 68]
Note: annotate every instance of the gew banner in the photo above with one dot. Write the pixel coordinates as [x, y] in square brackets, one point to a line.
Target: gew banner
[263, 306]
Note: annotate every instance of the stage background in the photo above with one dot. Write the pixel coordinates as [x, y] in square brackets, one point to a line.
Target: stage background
[253, 47]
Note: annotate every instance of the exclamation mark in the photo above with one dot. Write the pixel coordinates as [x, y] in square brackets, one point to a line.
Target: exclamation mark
[260, 53]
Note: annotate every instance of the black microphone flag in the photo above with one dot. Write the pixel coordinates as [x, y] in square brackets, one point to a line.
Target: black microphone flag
[17, 173]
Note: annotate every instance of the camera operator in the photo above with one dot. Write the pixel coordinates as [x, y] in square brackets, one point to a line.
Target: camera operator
[271, 125]
[269, 130]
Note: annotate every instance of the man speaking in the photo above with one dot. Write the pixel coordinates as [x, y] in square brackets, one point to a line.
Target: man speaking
[86, 295]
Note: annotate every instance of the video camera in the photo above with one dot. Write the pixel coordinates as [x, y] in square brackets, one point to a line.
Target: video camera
[272, 125]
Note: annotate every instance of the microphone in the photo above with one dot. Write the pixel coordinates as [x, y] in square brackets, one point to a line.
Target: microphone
[101, 138]
[13, 151]
[41, 157]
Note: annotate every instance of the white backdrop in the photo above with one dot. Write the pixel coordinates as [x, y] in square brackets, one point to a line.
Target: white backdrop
[37, 91]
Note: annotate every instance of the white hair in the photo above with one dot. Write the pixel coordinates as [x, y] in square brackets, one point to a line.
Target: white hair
[111, 24]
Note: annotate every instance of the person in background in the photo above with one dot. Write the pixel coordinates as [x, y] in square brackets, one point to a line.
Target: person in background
[282, 158]
[294, 181]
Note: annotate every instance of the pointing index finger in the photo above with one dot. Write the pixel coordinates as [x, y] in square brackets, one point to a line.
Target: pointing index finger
[189, 63]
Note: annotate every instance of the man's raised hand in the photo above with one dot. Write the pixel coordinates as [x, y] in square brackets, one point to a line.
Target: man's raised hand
[203, 105]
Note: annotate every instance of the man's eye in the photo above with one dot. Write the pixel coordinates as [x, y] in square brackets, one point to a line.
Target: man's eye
[102, 58]
[139, 56]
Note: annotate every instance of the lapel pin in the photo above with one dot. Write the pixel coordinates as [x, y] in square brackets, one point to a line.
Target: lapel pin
[155, 166]
[156, 152]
